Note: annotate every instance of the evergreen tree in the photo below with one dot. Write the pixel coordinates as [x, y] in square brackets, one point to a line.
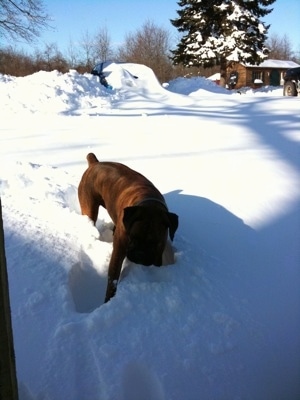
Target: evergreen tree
[220, 31]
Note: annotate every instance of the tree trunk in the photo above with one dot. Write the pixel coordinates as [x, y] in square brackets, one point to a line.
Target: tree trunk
[8, 378]
[223, 70]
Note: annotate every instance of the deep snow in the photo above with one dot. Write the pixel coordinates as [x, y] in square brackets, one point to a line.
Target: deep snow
[223, 322]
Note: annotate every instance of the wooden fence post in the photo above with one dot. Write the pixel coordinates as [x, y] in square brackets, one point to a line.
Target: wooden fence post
[8, 376]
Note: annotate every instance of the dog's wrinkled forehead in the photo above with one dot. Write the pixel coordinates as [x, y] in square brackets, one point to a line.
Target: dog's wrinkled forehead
[142, 215]
[148, 218]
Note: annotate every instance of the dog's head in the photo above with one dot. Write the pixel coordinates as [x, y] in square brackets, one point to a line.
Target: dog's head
[147, 231]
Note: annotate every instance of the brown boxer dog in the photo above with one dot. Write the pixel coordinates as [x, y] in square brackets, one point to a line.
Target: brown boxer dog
[137, 209]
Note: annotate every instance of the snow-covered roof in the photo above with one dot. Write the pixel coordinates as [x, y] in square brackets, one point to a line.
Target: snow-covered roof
[274, 64]
[215, 77]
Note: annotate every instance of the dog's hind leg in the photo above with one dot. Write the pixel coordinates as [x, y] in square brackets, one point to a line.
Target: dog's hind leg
[91, 212]
[89, 203]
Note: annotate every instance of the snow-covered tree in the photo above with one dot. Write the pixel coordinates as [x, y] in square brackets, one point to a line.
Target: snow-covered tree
[221, 31]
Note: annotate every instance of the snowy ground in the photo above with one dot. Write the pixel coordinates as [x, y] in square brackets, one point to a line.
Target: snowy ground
[222, 323]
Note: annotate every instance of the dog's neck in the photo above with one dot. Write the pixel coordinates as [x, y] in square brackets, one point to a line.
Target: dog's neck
[151, 199]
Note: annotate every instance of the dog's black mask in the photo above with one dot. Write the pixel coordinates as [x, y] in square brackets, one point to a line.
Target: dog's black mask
[147, 232]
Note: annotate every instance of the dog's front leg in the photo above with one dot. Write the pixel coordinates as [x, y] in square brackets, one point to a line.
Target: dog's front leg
[115, 265]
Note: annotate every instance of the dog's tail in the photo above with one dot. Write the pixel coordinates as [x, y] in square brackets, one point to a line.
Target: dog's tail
[91, 159]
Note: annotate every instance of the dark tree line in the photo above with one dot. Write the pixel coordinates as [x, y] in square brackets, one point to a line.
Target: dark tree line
[148, 45]
[17, 63]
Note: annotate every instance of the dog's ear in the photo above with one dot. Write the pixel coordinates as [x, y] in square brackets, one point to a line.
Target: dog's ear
[130, 215]
[173, 224]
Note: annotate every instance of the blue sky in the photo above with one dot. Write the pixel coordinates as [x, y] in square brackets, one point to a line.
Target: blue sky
[72, 18]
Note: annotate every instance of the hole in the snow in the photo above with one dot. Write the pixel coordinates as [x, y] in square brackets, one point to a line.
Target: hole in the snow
[87, 287]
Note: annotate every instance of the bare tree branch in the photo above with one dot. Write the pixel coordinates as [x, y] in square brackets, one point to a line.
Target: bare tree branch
[148, 45]
[87, 45]
[280, 47]
[22, 19]
[102, 45]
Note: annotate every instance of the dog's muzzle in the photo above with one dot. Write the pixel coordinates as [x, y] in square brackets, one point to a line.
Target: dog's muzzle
[144, 258]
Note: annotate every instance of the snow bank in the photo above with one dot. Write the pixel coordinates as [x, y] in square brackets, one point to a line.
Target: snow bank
[53, 92]
[196, 86]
